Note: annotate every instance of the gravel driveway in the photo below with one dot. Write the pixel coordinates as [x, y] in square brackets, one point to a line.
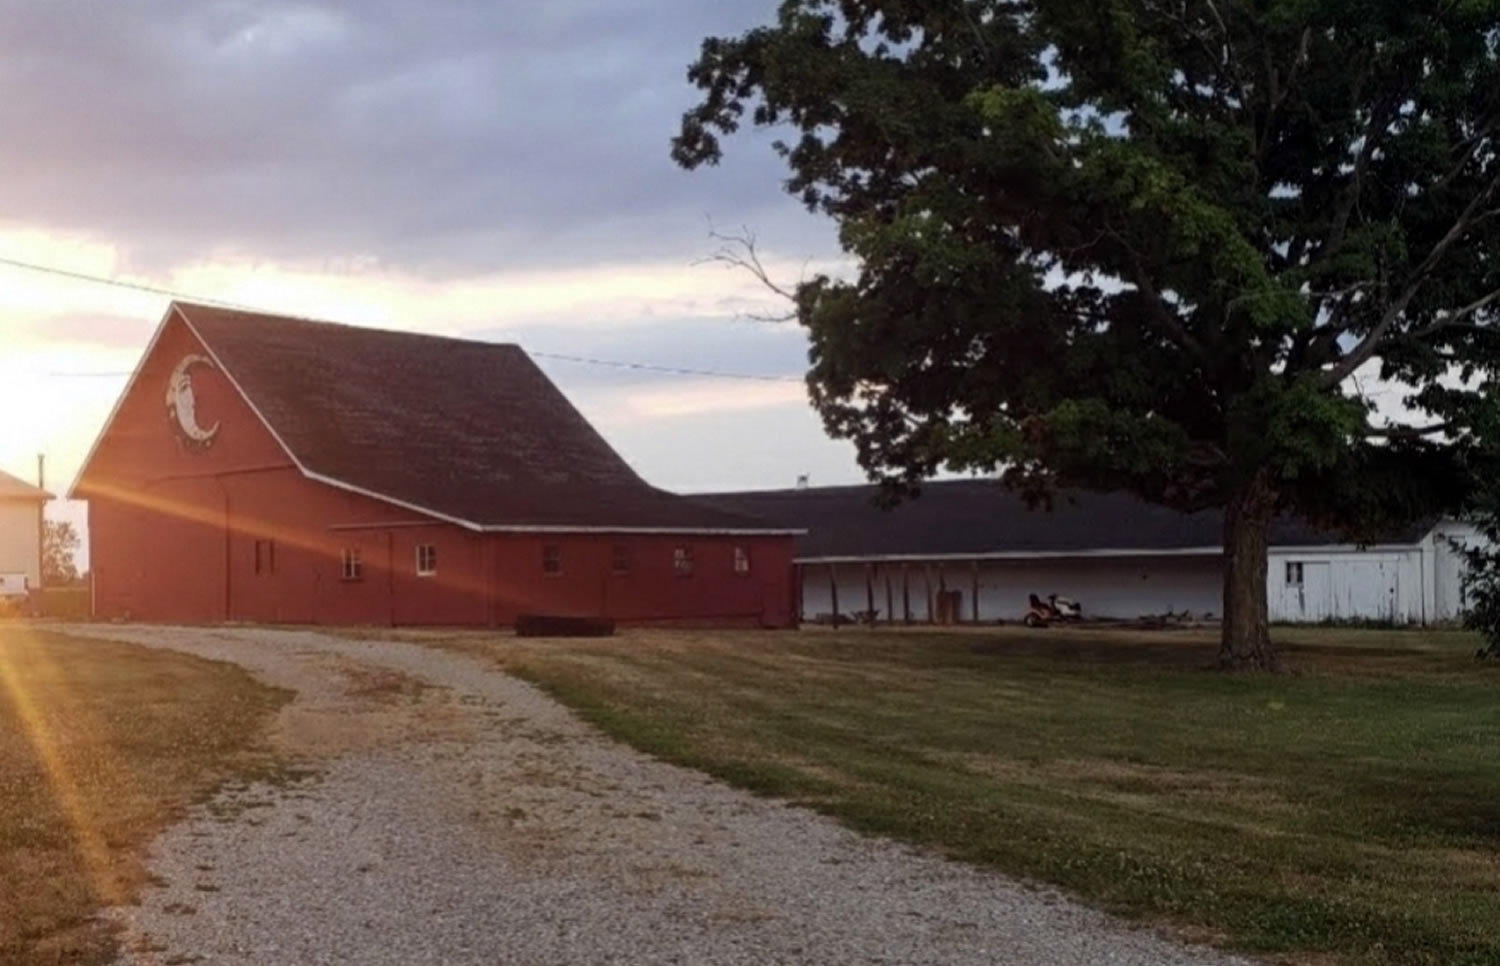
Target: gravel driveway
[461, 816]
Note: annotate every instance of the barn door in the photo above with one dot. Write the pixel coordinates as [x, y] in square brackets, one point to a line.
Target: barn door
[1368, 589]
[1306, 592]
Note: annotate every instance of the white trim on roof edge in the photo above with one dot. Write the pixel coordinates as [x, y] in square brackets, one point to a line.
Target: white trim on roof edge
[1110, 553]
[114, 411]
[176, 308]
[558, 528]
[683, 531]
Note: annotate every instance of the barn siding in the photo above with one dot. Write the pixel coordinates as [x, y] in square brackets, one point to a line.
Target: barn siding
[174, 534]
[195, 562]
[651, 591]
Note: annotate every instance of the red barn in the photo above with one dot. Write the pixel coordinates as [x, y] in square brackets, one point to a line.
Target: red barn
[267, 469]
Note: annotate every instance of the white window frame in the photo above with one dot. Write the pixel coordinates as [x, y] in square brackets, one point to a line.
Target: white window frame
[1295, 567]
[427, 560]
[353, 568]
[741, 560]
[682, 561]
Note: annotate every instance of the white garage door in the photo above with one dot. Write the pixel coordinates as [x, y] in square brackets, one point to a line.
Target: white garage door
[1348, 588]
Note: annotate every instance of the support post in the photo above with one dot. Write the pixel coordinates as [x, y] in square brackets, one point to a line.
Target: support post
[41, 533]
[890, 608]
[974, 600]
[833, 591]
[927, 583]
[905, 593]
[870, 593]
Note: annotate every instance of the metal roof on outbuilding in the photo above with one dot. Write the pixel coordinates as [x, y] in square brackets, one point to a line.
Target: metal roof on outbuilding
[966, 518]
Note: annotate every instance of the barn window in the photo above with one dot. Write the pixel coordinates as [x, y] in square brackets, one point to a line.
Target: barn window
[265, 556]
[1294, 574]
[742, 560]
[551, 559]
[426, 560]
[620, 561]
[353, 569]
[682, 561]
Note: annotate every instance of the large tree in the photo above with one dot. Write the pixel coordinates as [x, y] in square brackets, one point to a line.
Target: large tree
[1144, 244]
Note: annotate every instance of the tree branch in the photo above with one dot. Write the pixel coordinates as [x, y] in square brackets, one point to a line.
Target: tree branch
[1371, 342]
[1222, 60]
[1404, 432]
[1161, 313]
[1380, 123]
[1456, 320]
[1470, 148]
[1276, 91]
[739, 251]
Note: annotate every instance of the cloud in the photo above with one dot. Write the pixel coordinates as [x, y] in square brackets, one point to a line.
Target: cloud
[97, 330]
[756, 448]
[467, 168]
[712, 344]
[455, 138]
[702, 398]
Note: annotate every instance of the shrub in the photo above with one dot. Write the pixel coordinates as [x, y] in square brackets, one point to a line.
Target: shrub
[1481, 582]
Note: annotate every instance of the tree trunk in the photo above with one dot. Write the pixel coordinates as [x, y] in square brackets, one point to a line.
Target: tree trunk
[1245, 641]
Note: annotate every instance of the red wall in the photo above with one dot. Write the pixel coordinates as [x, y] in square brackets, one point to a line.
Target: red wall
[173, 537]
[651, 591]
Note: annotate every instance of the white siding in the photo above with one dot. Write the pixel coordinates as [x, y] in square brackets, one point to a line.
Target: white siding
[1106, 587]
[1350, 584]
[20, 539]
[1448, 569]
[1404, 585]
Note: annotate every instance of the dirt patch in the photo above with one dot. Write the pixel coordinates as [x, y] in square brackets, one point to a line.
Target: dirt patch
[366, 709]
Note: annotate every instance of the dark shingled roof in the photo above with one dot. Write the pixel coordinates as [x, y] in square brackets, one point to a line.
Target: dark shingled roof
[14, 488]
[472, 431]
[958, 517]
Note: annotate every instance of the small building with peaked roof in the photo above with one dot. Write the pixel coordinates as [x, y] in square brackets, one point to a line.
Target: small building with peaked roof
[971, 551]
[21, 529]
[261, 468]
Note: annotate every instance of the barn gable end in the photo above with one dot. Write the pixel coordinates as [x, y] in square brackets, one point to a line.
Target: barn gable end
[471, 433]
[144, 438]
[265, 469]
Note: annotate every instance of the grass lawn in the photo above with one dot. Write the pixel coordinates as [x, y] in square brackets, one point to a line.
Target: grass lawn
[1349, 812]
[101, 745]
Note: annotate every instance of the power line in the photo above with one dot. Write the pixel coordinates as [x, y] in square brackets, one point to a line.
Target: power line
[673, 370]
[169, 293]
[555, 356]
[112, 282]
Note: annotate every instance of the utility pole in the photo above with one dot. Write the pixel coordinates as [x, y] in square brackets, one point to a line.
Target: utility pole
[41, 524]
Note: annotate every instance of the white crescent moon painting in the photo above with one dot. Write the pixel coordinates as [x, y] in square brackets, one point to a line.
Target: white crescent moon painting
[182, 404]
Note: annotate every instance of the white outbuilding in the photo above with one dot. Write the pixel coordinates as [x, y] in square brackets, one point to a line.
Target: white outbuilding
[20, 535]
[971, 551]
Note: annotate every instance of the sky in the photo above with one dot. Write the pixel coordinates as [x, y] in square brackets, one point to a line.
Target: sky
[463, 167]
[494, 171]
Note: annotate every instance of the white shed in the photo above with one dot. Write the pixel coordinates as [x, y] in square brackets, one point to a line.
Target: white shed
[970, 551]
[21, 529]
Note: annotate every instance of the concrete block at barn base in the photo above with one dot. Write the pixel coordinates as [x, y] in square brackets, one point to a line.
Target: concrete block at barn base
[544, 625]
